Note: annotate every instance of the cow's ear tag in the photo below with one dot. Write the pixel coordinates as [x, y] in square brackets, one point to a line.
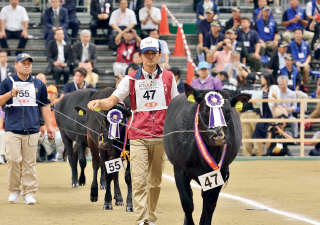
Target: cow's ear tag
[97, 109]
[239, 106]
[80, 112]
[191, 98]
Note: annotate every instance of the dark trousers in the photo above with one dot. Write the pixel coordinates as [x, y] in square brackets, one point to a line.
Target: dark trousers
[74, 25]
[50, 36]
[14, 35]
[145, 33]
[95, 24]
[58, 71]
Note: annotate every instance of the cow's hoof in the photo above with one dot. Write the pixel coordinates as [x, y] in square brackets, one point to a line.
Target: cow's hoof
[93, 198]
[74, 185]
[119, 203]
[108, 207]
[82, 181]
[129, 209]
[102, 187]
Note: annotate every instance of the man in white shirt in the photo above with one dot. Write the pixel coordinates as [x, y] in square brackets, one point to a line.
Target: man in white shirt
[312, 10]
[122, 19]
[164, 60]
[5, 69]
[149, 17]
[14, 24]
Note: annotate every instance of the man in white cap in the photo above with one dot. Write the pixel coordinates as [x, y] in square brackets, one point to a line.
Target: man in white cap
[149, 105]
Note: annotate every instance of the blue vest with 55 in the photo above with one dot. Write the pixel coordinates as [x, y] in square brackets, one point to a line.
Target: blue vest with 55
[261, 29]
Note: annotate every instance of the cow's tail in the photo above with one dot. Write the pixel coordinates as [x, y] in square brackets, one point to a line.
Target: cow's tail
[226, 174]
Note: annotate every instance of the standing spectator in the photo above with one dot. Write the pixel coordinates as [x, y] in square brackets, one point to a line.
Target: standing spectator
[176, 74]
[204, 28]
[293, 18]
[149, 17]
[59, 56]
[22, 134]
[165, 52]
[91, 78]
[301, 53]
[238, 46]
[55, 17]
[135, 6]
[267, 29]
[205, 80]
[235, 21]
[73, 23]
[5, 69]
[122, 19]
[277, 61]
[257, 13]
[84, 49]
[100, 11]
[14, 28]
[248, 112]
[206, 4]
[235, 68]
[78, 83]
[250, 39]
[127, 46]
[221, 57]
[2, 137]
[226, 85]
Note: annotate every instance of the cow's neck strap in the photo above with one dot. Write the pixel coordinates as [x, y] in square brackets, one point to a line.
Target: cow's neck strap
[202, 146]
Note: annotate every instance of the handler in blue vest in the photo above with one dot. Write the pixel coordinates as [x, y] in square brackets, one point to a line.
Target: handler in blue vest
[20, 93]
[301, 53]
[293, 18]
[268, 32]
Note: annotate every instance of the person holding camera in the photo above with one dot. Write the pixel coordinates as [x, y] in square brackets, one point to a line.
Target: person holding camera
[221, 57]
[276, 130]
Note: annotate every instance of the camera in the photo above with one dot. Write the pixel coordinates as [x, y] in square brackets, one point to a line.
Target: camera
[224, 44]
[273, 126]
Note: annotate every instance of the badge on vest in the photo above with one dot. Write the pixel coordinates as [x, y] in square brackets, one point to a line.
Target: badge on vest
[266, 30]
[238, 48]
[246, 43]
[301, 55]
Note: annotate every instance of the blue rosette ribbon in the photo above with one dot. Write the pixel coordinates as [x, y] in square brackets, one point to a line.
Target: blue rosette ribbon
[215, 101]
[114, 117]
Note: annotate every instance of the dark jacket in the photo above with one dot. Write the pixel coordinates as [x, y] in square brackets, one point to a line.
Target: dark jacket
[77, 52]
[95, 8]
[242, 50]
[10, 71]
[273, 64]
[232, 89]
[70, 5]
[48, 20]
[52, 54]
[139, 5]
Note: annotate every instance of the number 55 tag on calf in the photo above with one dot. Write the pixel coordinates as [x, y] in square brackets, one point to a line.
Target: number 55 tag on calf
[114, 165]
[211, 180]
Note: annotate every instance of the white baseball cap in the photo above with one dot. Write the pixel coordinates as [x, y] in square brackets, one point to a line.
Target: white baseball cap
[150, 43]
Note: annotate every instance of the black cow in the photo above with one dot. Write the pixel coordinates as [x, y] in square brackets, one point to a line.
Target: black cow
[183, 152]
[98, 122]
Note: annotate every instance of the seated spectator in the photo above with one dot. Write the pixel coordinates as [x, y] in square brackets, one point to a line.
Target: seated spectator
[286, 93]
[248, 112]
[204, 28]
[221, 57]
[238, 46]
[301, 53]
[277, 61]
[135, 6]
[257, 13]
[226, 85]
[73, 23]
[127, 46]
[5, 69]
[234, 68]
[122, 19]
[205, 80]
[56, 143]
[59, 56]
[149, 17]
[206, 4]
[267, 29]
[293, 18]
[84, 49]
[255, 3]
[235, 21]
[100, 10]
[14, 28]
[250, 39]
[136, 59]
[131, 68]
[55, 17]
[91, 78]
[2, 137]
[78, 83]
[42, 77]
[276, 130]
[316, 150]
[292, 73]
[165, 52]
[314, 26]
[312, 11]
[176, 74]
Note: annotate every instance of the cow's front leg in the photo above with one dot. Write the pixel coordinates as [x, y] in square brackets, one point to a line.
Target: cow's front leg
[83, 163]
[95, 165]
[185, 192]
[117, 191]
[102, 177]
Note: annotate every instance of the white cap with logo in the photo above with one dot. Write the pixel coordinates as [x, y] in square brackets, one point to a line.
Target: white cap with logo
[150, 43]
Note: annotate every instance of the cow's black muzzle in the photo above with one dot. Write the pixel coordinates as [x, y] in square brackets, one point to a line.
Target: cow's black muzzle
[218, 135]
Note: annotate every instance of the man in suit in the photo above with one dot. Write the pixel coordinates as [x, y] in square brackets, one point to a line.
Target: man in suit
[55, 17]
[5, 69]
[74, 23]
[277, 62]
[59, 56]
[100, 11]
[135, 6]
[84, 49]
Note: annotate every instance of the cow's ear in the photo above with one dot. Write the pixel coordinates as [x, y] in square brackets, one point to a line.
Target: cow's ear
[244, 98]
[81, 111]
[191, 93]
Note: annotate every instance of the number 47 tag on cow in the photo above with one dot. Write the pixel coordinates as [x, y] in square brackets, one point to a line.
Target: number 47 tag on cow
[211, 180]
[114, 165]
